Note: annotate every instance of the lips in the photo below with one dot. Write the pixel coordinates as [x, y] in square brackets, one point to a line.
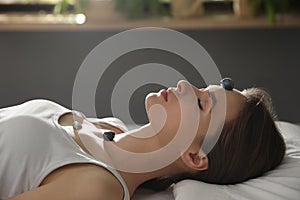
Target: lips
[164, 94]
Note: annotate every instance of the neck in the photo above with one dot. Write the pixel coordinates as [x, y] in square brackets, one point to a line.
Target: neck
[138, 140]
[134, 180]
[134, 144]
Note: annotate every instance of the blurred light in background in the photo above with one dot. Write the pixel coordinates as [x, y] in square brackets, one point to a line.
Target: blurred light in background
[97, 12]
[42, 12]
[80, 18]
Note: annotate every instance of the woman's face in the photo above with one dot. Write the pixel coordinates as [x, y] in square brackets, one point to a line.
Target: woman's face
[169, 99]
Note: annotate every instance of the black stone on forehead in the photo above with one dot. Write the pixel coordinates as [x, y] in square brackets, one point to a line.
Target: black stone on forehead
[227, 83]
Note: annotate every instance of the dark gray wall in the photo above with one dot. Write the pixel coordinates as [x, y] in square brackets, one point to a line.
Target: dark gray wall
[44, 65]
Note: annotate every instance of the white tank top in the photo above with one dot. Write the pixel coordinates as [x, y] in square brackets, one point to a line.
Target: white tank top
[33, 144]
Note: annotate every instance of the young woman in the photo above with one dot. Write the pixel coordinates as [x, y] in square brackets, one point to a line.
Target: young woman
[44, 153]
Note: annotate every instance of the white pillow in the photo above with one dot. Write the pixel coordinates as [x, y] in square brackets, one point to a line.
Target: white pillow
[144, 194]
[280, 183]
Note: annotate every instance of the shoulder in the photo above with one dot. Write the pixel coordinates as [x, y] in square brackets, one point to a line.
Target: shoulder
[43, 103]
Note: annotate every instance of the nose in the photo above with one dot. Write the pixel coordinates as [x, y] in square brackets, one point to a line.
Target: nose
[182, 85]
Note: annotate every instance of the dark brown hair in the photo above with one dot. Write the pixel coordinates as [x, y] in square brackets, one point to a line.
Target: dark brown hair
[248, 146]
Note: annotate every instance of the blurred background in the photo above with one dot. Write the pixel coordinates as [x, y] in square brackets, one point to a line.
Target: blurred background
[44, 42]
[113, 13]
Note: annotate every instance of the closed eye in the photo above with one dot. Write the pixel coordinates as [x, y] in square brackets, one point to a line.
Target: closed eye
[199, 104]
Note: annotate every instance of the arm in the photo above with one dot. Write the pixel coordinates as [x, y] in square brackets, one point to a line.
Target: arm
[61, 190]
[92, 183]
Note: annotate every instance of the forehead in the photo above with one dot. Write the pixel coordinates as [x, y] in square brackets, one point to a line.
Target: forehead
[234, 92]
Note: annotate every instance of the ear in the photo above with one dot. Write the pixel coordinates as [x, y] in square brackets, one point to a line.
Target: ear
[193, 161]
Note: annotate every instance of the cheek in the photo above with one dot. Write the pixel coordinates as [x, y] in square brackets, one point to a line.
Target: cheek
[173, 115]
[171, 108]
[172, 123]
[203, 126]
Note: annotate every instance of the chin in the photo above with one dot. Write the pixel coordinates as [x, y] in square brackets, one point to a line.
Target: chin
[151, 94]
[151, 99]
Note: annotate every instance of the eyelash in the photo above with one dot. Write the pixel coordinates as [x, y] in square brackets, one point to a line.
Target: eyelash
[199, 104]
